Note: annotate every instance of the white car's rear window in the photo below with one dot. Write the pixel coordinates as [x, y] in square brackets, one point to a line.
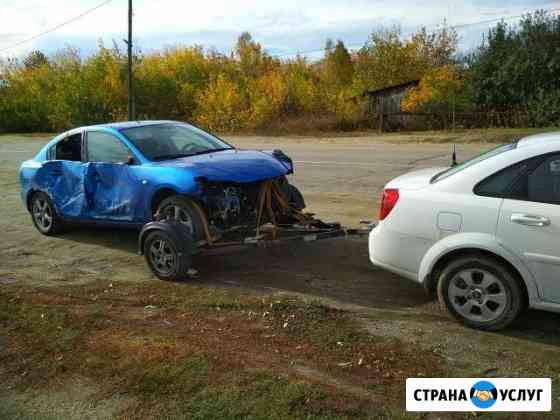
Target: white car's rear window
[486, 155]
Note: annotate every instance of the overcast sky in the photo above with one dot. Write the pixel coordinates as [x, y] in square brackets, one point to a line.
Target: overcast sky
[281, 26]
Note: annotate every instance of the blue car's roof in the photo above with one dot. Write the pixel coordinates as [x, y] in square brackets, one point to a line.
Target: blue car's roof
[129, 124]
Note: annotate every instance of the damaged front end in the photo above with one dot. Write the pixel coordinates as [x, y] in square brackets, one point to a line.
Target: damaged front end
[230, 205]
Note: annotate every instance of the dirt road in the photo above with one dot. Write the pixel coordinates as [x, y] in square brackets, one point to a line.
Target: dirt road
[342, 180]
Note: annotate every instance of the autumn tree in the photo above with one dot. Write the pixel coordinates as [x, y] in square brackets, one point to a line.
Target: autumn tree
[253, 61]
[221, 106]
[388, 59]
[441, 89]
[35, 59]
[338, 66]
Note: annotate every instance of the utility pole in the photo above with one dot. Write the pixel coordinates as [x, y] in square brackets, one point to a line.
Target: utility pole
[131, 110]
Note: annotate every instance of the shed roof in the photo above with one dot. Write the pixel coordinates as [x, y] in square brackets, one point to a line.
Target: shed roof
[387, 89]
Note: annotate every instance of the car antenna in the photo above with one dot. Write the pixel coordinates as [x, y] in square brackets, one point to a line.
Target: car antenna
[454, 156]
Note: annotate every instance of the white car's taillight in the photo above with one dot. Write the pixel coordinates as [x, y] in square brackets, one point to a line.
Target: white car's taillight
[390, 198]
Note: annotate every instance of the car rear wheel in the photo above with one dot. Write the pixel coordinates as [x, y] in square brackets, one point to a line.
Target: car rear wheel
[480, 292]
[163, 258]
[182, 210]
[44, 214]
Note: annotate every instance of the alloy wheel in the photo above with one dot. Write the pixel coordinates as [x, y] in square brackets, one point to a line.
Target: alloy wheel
[162, 256]
[42, 214]
[478, 295]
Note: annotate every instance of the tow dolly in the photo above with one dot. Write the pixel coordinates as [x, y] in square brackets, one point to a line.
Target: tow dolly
[168, 245]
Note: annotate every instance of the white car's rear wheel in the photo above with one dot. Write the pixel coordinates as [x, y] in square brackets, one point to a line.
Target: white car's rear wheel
[480, 292]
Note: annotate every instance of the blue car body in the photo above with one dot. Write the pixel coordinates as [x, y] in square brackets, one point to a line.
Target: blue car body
[123, 193]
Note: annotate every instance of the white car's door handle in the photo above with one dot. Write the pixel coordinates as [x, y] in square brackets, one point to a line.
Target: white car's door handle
[530, 220]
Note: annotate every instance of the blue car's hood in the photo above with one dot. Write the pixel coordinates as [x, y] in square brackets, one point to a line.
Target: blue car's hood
[231, 165]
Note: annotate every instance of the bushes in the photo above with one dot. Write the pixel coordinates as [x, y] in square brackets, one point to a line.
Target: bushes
[221, 106]
[515, 71]
[544, 109]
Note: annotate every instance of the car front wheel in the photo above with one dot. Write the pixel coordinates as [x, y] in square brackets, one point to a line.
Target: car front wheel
[181, 209]
[480, 292]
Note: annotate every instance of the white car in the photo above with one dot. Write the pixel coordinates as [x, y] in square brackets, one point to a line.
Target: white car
[484, 234]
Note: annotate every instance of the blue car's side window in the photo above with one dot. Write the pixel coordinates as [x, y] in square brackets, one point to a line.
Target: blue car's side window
[69, 148]
[106, 148]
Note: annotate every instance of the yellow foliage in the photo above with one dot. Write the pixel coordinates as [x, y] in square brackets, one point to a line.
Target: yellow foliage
[220, 107]
[248, 89]
[436, 87]
[267, 96]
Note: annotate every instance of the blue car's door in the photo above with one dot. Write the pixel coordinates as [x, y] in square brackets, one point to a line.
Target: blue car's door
[61, 176]
[112, 186]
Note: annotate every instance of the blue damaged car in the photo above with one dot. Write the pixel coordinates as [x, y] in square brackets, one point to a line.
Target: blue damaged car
[128, 174]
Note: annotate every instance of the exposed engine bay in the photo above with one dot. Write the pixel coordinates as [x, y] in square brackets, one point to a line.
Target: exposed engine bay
[229, 205]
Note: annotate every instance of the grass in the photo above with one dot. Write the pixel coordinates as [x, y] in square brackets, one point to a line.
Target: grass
[166, 350]
[185, 351]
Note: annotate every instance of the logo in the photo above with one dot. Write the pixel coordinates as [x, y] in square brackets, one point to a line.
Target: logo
[478, 394]
[484, 394]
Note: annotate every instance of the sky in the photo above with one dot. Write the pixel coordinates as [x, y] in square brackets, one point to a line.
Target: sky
[283, 27]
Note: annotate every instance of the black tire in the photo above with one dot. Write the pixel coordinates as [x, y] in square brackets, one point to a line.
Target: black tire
[188, 215]
[491, 302]
[43, 214]
[164, 260]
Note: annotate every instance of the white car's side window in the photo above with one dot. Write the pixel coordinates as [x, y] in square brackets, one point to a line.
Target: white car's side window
[536, 179]
[504, 182]
[543, 184]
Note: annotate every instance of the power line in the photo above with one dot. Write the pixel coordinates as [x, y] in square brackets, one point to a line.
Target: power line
[54, 28]
[458, 26]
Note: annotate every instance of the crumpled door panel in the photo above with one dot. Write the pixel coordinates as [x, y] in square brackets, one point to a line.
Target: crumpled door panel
[112, 191]
[64, 182]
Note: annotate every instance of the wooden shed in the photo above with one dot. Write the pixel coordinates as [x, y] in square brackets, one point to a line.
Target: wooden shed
[385, 103]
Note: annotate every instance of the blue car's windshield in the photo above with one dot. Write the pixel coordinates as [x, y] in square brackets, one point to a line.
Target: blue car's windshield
[173, 140]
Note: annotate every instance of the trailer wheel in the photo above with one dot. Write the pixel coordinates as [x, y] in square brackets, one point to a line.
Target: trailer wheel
[164, 258]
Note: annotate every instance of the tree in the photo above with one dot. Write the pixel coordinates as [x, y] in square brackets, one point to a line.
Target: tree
[221, 106]
[339, 69]
[436, 48]
[253, 62]
[442, 89]
[387, 59]
[515, 63]
[35, 59]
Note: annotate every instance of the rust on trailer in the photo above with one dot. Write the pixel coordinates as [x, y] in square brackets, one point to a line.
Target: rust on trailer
[267, 228]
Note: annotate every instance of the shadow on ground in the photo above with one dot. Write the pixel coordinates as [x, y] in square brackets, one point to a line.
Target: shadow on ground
[337, 269]
[119, 239]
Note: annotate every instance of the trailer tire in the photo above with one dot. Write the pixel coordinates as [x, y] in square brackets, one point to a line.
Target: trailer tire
[165, 257]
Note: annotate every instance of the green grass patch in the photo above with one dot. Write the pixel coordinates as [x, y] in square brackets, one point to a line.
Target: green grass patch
[120, 342]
